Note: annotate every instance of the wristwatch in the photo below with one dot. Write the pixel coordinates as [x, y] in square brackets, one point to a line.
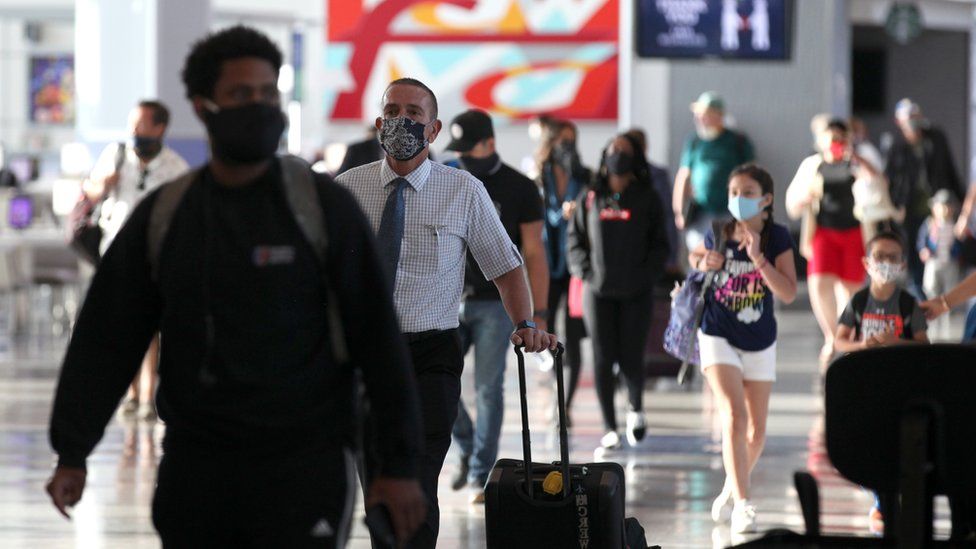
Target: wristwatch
[525, 324]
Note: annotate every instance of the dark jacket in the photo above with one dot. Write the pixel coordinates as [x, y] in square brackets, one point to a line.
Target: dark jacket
[902, 167]
[361, 153]
[238, 258]
[619, 247]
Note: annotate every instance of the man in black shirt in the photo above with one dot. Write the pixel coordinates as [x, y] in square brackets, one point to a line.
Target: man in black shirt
[258, 399]
[484, 322]
[919, 164]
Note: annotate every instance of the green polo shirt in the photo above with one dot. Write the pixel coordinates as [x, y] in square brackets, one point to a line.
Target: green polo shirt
[711, 162]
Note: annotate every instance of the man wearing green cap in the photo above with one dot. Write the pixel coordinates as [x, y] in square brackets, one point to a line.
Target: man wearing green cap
[707, 160]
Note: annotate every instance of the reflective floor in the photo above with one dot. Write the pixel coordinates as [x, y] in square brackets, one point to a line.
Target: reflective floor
[672, 476]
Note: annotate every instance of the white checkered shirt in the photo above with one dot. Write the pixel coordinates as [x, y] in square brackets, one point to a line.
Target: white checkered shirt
[448, 211]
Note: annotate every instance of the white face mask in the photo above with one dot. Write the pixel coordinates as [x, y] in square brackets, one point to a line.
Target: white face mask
[885, 272]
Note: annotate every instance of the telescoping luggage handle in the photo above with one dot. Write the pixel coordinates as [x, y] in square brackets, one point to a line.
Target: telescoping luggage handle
[561, 407]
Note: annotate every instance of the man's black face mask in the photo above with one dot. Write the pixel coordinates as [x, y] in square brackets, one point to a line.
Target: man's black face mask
[244, 135]
[481, 167]
[146, 148]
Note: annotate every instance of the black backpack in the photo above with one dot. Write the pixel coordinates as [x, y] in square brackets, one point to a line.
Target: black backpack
[906, 308]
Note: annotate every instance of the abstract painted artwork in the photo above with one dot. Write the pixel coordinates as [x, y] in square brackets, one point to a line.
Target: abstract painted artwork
[513, 58]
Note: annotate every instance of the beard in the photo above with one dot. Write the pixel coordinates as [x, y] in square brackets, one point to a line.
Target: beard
[707, 132]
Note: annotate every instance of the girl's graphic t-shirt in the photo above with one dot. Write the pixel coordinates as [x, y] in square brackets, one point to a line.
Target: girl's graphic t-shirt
[739, 306]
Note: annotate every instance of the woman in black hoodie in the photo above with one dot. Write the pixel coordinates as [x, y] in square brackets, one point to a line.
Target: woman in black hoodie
[618, 245]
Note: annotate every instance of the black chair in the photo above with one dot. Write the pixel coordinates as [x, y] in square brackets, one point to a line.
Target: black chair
[902, 422]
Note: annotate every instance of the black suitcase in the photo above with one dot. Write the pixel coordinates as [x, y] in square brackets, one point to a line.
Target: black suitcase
[587, 513]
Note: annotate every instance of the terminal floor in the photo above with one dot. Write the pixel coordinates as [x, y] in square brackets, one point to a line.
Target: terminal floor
[672, 476]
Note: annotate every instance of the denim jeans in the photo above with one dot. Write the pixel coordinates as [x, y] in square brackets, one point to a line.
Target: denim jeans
[486, 325]
[969, 332]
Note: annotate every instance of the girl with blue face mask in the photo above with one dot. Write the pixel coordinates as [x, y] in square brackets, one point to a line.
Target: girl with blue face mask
[737, 340]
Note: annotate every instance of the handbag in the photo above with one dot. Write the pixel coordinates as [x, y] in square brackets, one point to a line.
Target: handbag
[872, 202]
[85, 236]
[687, 308]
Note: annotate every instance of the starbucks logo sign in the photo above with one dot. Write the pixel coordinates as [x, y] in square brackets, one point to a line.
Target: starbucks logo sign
[904, 22]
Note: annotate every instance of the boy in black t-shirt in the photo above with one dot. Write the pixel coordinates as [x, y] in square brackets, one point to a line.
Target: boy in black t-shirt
[881, 314]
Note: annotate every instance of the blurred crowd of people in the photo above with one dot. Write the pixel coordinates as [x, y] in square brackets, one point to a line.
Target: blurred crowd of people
[452, 240]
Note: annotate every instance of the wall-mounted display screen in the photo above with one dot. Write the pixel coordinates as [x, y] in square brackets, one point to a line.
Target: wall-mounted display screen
[735, 29]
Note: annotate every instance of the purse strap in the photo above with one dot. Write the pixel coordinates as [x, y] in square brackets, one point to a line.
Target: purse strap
[719, 238]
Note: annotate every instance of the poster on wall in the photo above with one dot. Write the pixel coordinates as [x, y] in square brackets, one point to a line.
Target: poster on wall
[52, 89]
[513, 58]
[737, 29]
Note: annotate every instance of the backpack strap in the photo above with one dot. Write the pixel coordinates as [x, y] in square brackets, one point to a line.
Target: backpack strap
[740, 145]
[169, 198]
[305, 205]
[859, 302]
[303, 200]
[906, 308]
[718, 236]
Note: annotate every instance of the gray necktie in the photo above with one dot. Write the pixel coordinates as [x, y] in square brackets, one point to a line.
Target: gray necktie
[390, 234]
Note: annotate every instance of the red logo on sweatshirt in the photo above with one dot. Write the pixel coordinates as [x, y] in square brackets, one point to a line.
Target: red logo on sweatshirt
[610, 214]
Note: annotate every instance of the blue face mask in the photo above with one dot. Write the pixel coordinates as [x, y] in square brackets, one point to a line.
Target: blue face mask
[743, 208]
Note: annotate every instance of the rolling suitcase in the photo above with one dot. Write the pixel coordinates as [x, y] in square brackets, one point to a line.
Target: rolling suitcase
[532, 505]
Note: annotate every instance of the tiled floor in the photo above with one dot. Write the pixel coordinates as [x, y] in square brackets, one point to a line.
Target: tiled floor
[671, 477]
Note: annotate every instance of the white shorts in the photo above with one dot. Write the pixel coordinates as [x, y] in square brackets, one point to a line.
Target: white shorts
[755, 365]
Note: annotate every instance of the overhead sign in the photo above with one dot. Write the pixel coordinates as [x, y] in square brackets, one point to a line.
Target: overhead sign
[737, 29]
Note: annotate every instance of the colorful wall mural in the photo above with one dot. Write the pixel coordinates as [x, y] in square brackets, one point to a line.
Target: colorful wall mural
[513, 58]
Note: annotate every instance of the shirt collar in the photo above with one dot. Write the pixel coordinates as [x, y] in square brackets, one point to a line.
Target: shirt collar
[417, 178]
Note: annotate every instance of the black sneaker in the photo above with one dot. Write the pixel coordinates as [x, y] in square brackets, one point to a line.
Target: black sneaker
[460, 478]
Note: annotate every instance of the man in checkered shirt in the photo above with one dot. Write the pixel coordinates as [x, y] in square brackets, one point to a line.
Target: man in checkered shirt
[445, 212]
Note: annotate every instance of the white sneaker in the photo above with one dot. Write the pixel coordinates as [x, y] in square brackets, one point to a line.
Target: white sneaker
[636, 427]
[743, 517]
[147, 411]
[128, 408]
[722, 505]
[610, 441]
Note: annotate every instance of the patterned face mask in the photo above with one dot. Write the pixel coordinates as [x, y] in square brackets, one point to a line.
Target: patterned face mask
[402, 138]
[886, 272]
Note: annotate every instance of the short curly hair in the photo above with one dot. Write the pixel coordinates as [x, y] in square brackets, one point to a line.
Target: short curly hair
[206, 59]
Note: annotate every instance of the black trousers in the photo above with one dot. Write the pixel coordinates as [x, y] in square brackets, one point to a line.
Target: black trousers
[303, 499]
[570, 332]
[437, 363]
[618, 329]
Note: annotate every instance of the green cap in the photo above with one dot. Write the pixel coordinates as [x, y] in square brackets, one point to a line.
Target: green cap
[708, 100]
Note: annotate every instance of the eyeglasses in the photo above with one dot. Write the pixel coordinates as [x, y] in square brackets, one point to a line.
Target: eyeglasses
[886, 258]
